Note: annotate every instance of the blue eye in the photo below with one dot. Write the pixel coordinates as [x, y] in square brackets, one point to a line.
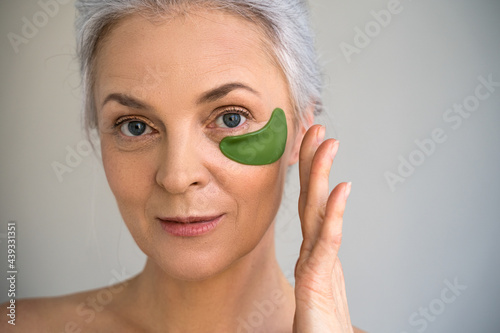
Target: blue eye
[135, 128]
[230, 120]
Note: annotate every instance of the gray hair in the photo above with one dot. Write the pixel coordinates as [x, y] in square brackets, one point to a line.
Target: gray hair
[285, 22]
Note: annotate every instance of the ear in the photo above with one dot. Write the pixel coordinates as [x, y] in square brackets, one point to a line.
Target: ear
[294, 155]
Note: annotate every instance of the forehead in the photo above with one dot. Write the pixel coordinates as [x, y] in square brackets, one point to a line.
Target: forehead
[194, 51]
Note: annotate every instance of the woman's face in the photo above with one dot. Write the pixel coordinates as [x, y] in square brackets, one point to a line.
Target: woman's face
[161, 92]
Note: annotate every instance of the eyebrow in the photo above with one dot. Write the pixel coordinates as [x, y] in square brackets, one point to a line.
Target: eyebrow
[220, 92]
[210, 96]
[125, 100]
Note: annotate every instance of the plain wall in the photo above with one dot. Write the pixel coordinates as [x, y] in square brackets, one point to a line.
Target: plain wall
[437, 225]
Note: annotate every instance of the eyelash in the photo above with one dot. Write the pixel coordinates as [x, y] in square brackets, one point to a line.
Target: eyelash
[233, 109]
[123, 120]
[230, 110]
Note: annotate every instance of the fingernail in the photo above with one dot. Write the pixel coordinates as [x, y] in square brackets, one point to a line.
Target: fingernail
[320, 134]
[347, 190]
[335, 148]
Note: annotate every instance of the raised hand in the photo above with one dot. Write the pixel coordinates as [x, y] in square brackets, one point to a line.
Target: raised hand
[321, 303]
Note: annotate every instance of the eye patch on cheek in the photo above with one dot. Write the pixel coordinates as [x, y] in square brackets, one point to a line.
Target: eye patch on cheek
[262, 147]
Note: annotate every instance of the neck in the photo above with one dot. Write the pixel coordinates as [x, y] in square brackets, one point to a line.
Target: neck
[251, 294]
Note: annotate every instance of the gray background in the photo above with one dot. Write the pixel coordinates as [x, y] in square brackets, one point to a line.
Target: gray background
[402, 246]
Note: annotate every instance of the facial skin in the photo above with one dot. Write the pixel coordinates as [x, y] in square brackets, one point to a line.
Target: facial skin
[262, 147]
[176, 168]
[164, 76]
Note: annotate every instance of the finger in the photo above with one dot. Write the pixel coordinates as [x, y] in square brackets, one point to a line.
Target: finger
[317, 196]
[310, 144]
[334, 217]
[327, 245]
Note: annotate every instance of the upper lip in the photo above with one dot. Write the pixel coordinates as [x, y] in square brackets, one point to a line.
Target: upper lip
[190, 219]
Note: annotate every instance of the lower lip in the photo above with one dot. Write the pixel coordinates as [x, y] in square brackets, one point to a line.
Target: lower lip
[190, 229]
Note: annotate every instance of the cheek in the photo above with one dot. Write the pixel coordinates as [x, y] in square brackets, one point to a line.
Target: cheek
[130, 178]
[256, 192]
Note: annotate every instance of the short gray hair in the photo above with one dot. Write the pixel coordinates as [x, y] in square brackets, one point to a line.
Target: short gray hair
[285, 22]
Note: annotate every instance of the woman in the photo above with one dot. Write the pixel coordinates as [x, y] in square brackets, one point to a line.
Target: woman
[167, 82]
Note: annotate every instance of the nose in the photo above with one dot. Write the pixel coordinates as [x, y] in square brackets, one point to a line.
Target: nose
[181, 165]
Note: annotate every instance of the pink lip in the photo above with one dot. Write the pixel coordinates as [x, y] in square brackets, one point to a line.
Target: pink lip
[190, 226]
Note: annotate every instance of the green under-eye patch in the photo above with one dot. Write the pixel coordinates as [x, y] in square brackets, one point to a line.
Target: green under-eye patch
[264, 146]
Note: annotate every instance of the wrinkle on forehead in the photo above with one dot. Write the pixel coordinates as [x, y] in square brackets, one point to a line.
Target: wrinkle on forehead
[257, 39]
[221, 49]
[220, 58]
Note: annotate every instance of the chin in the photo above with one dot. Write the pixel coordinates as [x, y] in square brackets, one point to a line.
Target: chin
[192, 267]
[198, 258]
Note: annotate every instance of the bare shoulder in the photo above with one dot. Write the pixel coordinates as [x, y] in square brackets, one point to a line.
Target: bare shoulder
[47, 314]
[30, 315]
[80, 312]
[357, 330]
